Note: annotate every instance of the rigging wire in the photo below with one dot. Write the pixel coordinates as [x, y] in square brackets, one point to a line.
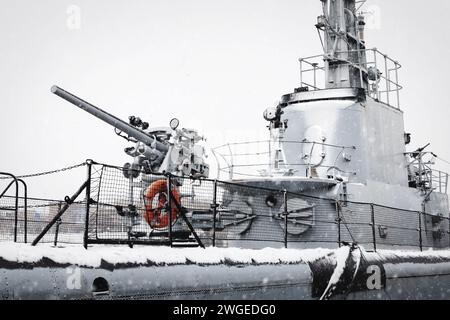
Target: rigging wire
[443, 160]
[47, 172]
[363, 257]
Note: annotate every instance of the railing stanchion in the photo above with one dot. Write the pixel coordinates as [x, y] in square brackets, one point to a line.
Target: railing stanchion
[440, 182]
[16, 202]
[397, 85]
[25, 210]
[387, 78]
[88, 202]
[446, 182]
[214, 213]
[374, 234]
[58, 224]
[338, 212]
[420, 231]
[285, 213]
[377, 92]
[169, 206]
[315, 76]
[301, 72]
[448, 221]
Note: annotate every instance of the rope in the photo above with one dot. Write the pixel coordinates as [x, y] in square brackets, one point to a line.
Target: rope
[47, 172]
[363, 258]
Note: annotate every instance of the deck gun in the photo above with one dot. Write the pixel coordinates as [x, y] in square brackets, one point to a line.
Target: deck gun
[156, 150]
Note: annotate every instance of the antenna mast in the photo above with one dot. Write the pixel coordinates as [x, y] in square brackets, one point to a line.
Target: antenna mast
[344, 46]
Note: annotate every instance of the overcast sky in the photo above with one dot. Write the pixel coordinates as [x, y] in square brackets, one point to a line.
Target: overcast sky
[216, 65]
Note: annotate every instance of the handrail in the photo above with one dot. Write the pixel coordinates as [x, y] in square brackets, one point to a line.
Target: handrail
[16, 204]
[384, 69]
[25, 210]
[14, 181]
[428, 177]
[227, 159]
[370, 210]
[284, 141]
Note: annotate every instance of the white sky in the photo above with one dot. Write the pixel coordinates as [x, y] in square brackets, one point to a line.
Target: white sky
[216, 65]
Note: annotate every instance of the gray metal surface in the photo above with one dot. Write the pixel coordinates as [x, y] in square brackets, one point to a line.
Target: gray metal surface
[378, 276]
[187, 282]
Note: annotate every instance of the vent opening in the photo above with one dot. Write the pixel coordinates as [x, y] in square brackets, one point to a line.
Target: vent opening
[100, 286]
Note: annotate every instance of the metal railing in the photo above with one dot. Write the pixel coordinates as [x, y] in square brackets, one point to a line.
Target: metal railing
[231, 214]
[221, 213]
[438, 180]
[423, 176]
[379, 70]
[264, 159]
[15, 181]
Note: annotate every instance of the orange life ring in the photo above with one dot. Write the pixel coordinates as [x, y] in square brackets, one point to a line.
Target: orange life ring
[155, 216]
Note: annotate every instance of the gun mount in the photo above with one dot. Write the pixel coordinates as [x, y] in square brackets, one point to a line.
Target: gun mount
[156, 150]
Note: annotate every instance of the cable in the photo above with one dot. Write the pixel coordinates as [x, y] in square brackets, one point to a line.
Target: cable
[47, 172]
[443, 160]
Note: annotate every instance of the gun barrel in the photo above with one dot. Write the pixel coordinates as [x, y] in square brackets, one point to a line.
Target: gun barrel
[109, 118]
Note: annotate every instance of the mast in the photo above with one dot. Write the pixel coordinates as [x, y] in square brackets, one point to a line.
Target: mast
[343, 44]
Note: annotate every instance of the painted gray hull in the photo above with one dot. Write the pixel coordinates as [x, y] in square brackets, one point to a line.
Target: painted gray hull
[406, 277]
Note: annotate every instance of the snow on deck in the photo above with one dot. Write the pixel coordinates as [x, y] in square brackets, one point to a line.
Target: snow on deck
[145, 255]
[400, 254]
[77, 255]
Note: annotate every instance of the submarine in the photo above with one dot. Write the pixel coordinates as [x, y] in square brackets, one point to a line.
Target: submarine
[331, 206]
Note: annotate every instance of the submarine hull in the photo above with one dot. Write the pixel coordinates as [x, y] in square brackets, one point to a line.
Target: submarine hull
[294, 274]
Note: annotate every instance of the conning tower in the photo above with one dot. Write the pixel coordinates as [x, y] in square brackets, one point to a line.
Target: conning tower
[343, 124]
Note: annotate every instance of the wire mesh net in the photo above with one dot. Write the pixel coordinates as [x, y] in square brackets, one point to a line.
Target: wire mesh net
[39, 212]
[356, 223]
[435, 231]
[137, 208]
[396, 227]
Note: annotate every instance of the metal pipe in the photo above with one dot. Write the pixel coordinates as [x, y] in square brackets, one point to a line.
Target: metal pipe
[214, 213]
[398, 89]
[109, 118]
[285, 213]
[315, 77]
[388, 84]
[338, 211]
[60, 213]
[58, 223]
[301, 72]
[169, 206]
[420, 232]
[7, 188]
[373, 227]
[25, 210]
[446, 182]
[232, 163]
[16, 203]
[377, 93]
[88, 202]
